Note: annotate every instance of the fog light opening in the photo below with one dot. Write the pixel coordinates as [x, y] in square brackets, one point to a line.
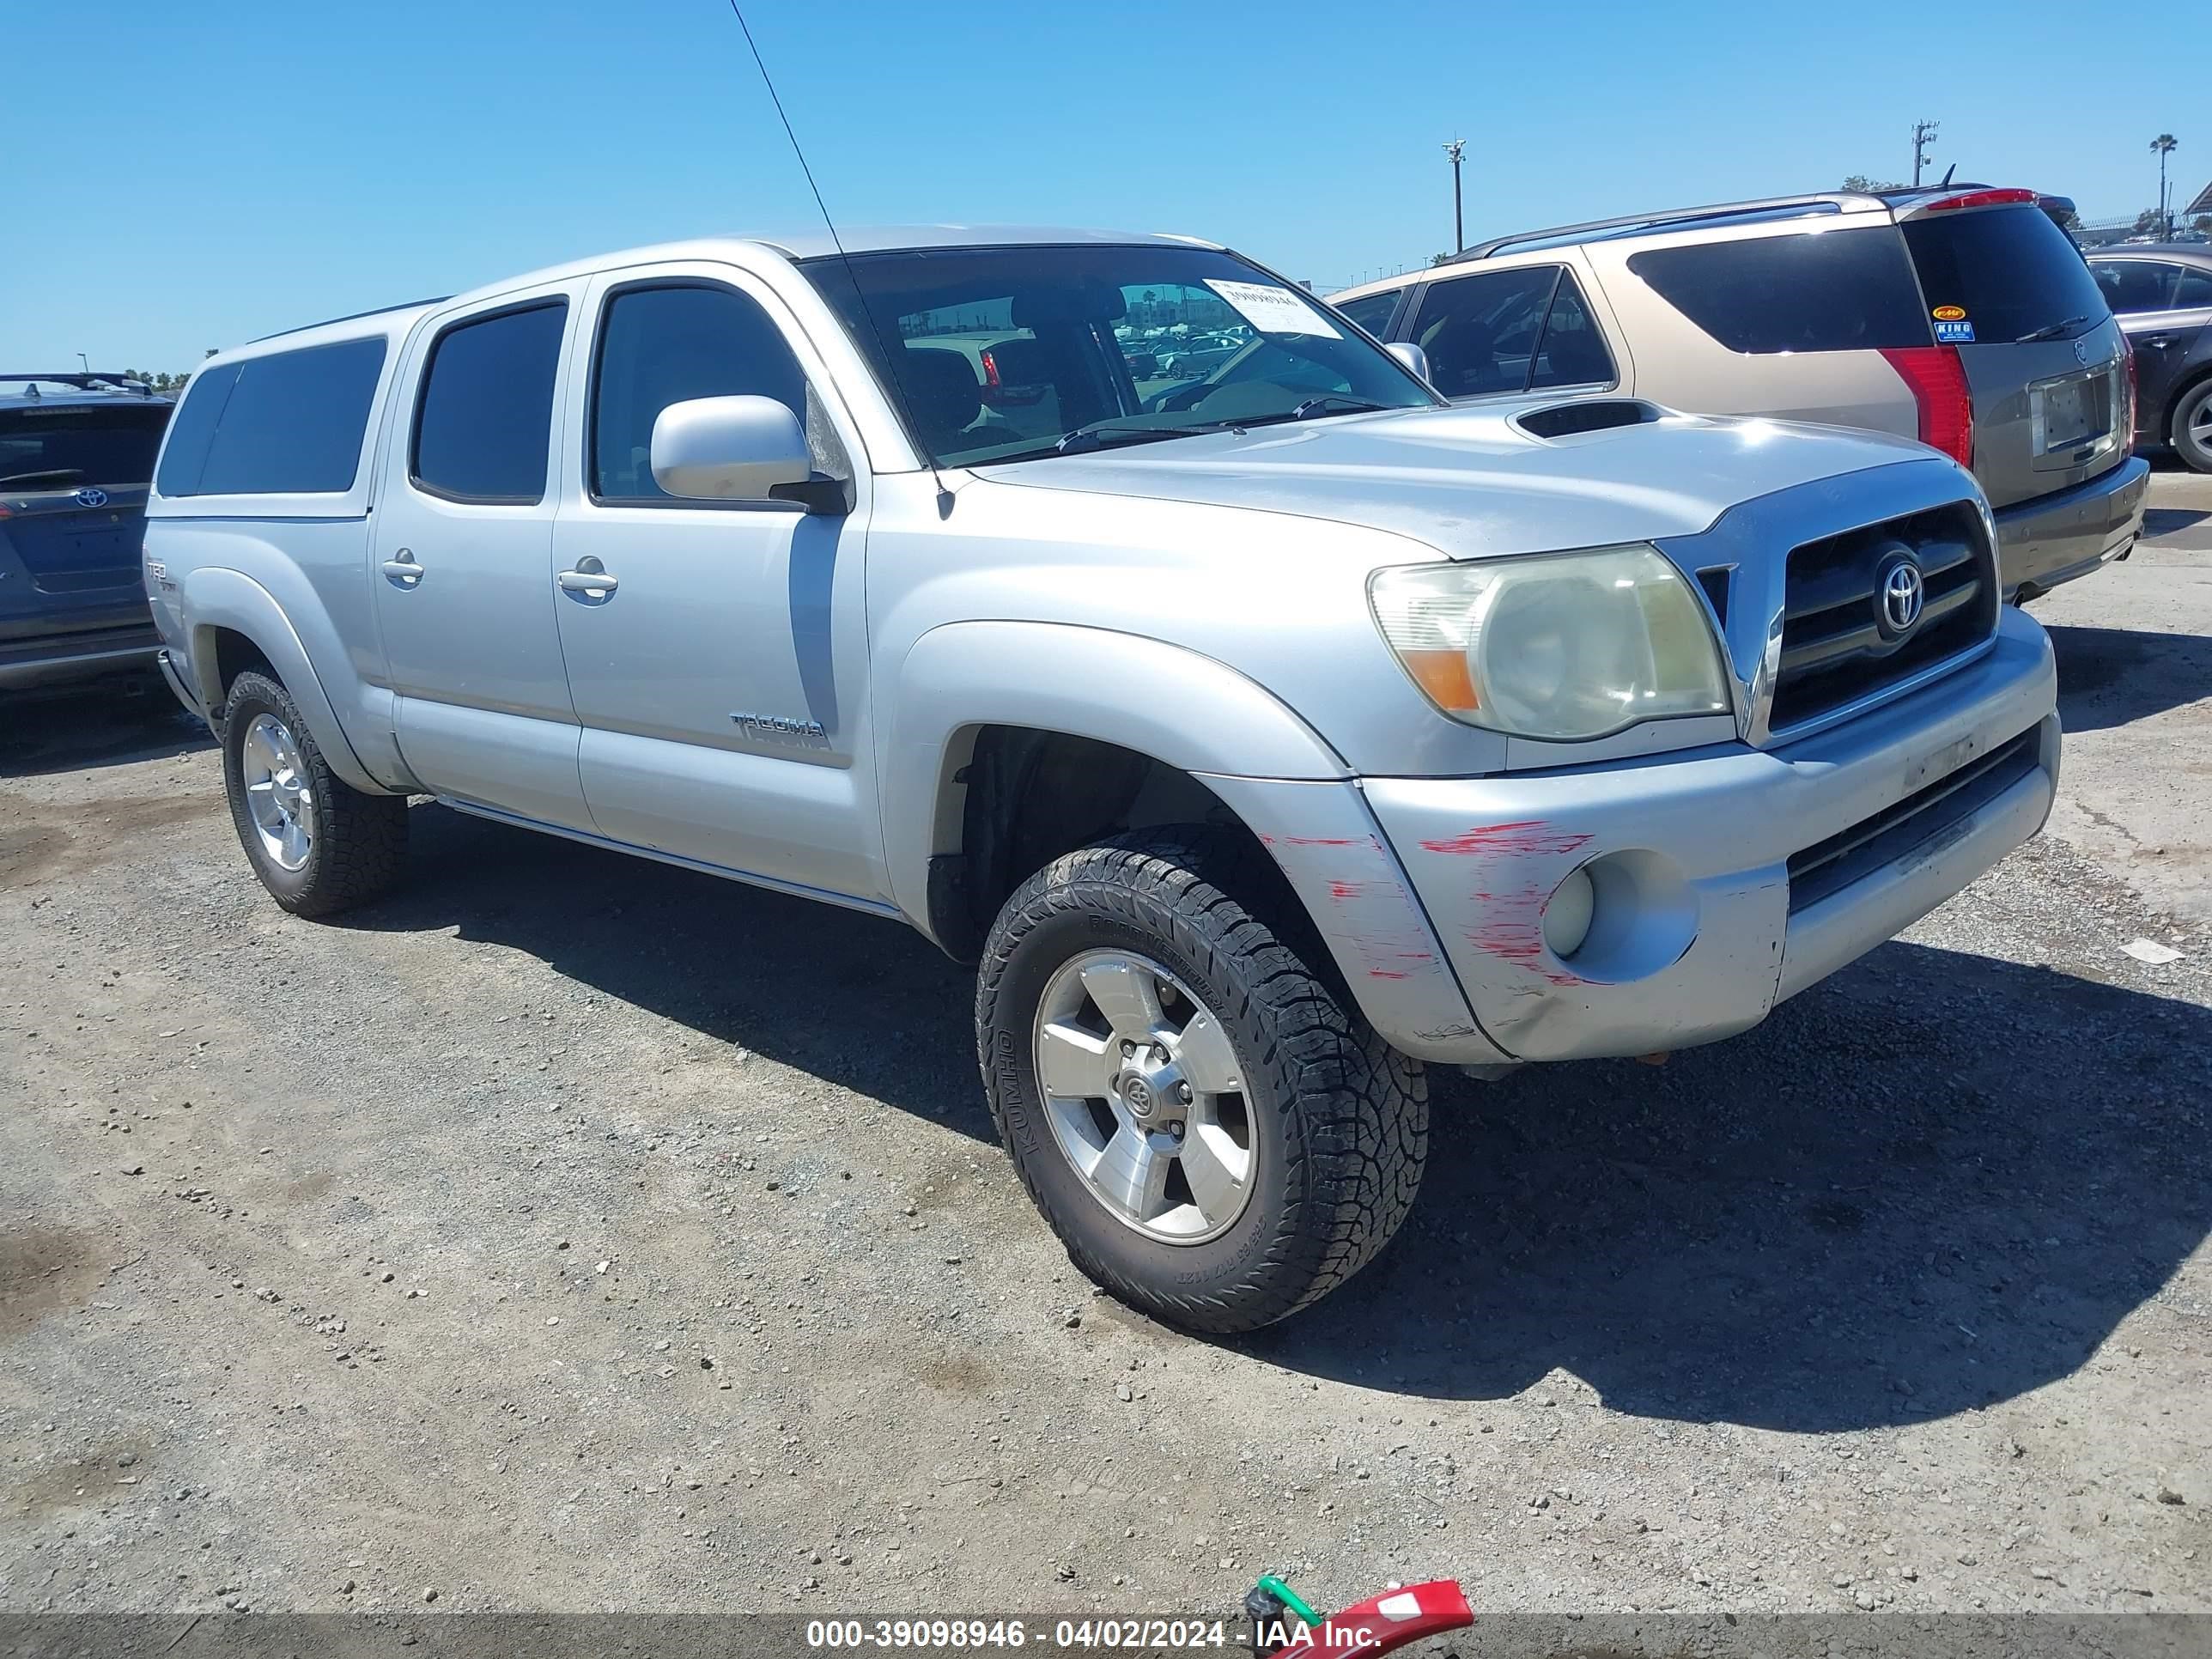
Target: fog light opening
[1567, 915]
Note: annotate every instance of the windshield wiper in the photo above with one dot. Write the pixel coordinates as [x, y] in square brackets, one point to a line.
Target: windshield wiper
[54, 472]
[2050, 332]
[1110, 434]
[1332, 403]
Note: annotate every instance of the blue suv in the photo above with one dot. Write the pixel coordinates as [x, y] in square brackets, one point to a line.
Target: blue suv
[76, 454]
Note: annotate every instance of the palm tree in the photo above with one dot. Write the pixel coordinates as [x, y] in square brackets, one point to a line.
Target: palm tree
[2164, 145]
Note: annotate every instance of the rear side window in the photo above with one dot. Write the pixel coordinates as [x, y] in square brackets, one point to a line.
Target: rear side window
[484, 421]
[2012, 271]
[665, 345]
[1572, 352]
[1372, 312]
[72, 447]
[2194, 290]
[1509, 331]
[290, 424]
[1835, 290]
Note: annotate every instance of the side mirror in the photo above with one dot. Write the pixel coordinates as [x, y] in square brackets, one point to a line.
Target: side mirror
[729, 449]
[1406, 353]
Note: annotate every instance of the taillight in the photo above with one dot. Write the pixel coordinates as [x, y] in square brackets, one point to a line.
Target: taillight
[990, 369]
[1981, 198]
[2125, 427]
[1937, 381]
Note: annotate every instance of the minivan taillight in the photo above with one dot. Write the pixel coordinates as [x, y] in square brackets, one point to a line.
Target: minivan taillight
[1937, 381]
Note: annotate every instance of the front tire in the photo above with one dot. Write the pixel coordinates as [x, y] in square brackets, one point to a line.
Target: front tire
[2192, 429]
[1215, 1137]
[318, 844]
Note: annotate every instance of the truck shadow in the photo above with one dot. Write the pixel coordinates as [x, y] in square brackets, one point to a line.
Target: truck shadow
[863, 1002]
[107, 724]
[2108, 676]
[1937, 1181]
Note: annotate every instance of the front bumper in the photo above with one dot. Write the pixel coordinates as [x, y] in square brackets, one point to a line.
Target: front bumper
[69, 659]
[2057, 538]
[1696, 936]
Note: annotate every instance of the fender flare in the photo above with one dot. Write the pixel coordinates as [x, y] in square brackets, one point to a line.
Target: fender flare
[1176, 706]
[216, 597]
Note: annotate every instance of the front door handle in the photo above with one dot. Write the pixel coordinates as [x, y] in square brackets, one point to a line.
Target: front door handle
[589, 578]
[403, 570]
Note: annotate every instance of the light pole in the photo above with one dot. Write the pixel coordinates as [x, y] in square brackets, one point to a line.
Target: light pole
[2165, 144]
[86, 361]
[1459, 229]
[1924, 134]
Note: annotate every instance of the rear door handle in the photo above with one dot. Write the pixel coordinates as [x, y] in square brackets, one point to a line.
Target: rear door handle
[403, 570]
[590, 579]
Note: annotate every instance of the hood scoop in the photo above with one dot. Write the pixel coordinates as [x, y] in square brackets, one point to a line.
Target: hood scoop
[1587, 414]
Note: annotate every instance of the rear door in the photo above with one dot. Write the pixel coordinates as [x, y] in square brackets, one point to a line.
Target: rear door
[462, 565]
[2044, 362]
[73, 480]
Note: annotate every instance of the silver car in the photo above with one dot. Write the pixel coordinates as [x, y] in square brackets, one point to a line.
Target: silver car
[1261, 739]
[1961, 316]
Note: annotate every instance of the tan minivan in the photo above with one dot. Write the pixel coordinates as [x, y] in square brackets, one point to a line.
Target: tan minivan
[1962, 316]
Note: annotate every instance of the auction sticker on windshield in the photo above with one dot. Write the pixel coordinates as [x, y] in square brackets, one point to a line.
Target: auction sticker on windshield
[1273, 310]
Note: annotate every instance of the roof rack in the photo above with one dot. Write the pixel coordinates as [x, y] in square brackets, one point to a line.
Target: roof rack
[352, 317]
[84, 382]
[1818, 201]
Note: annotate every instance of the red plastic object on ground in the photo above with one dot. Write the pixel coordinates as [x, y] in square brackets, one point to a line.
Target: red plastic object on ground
[1389, 1620]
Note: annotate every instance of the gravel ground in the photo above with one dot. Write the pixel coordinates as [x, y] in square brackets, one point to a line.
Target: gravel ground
[572, 1232]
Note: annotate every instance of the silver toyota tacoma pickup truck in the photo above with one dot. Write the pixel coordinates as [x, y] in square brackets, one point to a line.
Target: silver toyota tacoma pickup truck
[1262, 727]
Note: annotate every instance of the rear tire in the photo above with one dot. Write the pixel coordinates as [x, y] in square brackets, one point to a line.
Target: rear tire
[318, 844]
[2190, 431]
[1302, 1148]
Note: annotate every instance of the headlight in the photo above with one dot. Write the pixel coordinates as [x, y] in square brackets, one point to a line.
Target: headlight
[1561, 645]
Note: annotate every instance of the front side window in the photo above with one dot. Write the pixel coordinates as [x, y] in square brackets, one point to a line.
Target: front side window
[1815, 290]
[2134, 285]
[1005, 354]
[290, 423]
[484, 422]
[669, 344]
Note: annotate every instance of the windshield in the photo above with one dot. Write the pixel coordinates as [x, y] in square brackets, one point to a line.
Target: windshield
[1004, 354]
[78, 444]
[2009, 274]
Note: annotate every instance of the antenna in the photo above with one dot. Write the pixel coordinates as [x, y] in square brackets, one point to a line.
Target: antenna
[1947, 172]
[890, 368]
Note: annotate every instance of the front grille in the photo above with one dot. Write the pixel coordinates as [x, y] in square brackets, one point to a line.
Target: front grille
[1836, 648]
[1829, 866]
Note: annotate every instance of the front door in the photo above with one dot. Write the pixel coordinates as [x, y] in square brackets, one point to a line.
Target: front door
[719, 669]
[462, 564]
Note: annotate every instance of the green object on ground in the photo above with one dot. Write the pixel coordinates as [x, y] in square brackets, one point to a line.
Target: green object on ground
[1290, 1598]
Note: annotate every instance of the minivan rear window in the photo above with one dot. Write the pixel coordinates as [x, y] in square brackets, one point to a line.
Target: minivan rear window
[2011, 270]
[1824, 290]
[290, 424]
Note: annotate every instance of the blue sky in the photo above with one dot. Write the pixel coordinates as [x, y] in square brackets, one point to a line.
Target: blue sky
[233, 168]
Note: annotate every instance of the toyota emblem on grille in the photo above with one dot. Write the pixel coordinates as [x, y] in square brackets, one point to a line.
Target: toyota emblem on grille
[92, 498]
[1904, 594]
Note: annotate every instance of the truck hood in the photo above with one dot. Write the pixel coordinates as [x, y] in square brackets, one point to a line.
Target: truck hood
[1472, 482]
